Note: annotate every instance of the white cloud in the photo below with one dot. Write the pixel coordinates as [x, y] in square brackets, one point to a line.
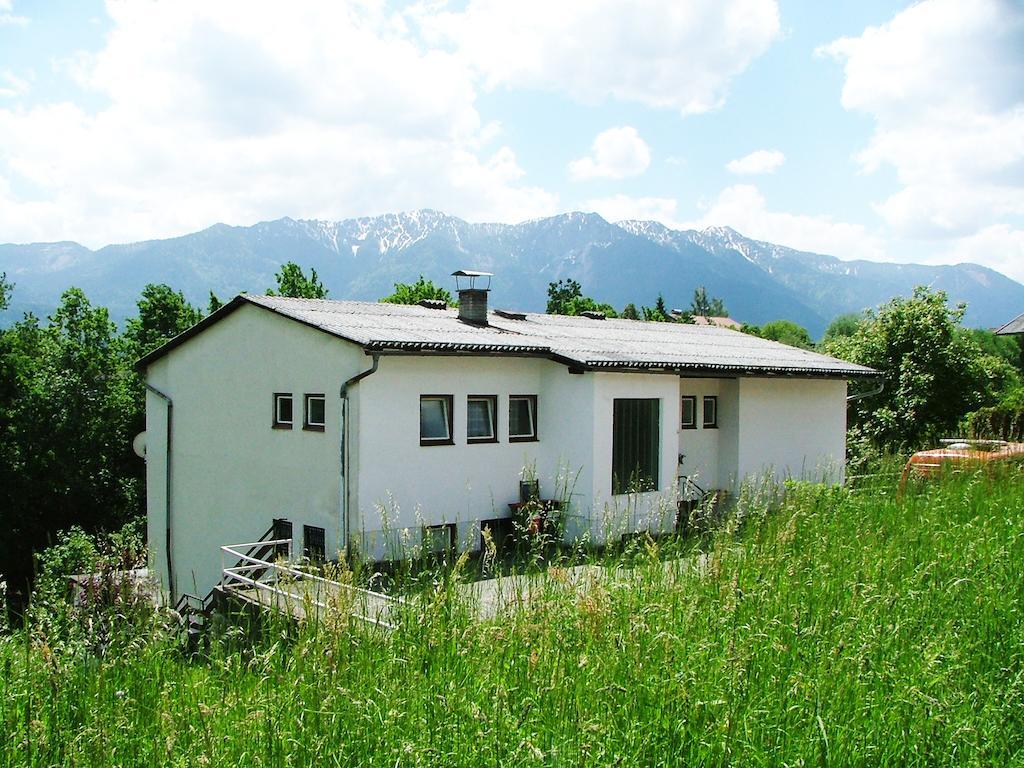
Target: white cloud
[236, 112]
[623, 207]
[745, 209]
[9, 19]
[761, 161]
[662, 53]
[616, 153]
[944, 82]
[12, 86]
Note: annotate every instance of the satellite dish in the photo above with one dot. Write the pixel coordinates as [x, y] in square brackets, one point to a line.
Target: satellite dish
[139, 444]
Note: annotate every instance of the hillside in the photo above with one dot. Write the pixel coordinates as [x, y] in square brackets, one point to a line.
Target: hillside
[618, 263]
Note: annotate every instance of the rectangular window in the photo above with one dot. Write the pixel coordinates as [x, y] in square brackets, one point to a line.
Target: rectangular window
[435, 419]
[282, 410]
[522, 418]
[316, 417]
[439, 539]
[481, 413]
[710, 412]
[689, 412]
[636, 443]
[313, 544]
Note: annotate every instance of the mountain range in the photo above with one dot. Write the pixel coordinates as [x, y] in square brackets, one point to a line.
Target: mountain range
[627, 261]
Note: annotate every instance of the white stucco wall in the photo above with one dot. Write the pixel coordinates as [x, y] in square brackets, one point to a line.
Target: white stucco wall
[231, 472]
[792, 428]
[700, 445]
[403, 486]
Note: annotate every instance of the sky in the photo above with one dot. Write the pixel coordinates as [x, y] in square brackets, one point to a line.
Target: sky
[873, 129]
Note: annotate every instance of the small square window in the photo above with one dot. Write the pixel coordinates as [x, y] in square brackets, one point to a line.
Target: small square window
[439, 539]
[282, 410]
[435, 419]
[522, 418]
[480, 419]
[710, 412]
[316, 416]
[313, 544]
[689, 412]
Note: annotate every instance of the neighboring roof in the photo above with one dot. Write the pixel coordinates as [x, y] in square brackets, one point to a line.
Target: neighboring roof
[720, 322]
[575, 341]
[1013, 327]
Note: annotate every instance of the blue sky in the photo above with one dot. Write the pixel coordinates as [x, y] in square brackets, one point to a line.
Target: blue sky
[881, 130]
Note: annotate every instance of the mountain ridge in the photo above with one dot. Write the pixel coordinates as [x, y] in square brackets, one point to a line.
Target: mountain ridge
[616, 262]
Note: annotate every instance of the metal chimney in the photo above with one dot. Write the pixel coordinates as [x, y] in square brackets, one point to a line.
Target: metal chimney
[472, 299]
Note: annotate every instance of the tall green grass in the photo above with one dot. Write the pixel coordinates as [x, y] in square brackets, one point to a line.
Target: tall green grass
[840, 629]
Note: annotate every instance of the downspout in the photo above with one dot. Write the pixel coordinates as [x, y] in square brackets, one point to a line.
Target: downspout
[344, 490]
[167, 486]
[869, 393]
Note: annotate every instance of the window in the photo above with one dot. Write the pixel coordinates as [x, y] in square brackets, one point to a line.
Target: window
[480, 419]
[710, 412]
[313, 546]
[689, 412]
[636, 443]
[316, 418]
[522, 418]
[439, 539]
[435, 420]
[282, 410]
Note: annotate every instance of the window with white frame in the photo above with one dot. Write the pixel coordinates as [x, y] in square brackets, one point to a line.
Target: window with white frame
[316, 413]
[481, 419]
[435, 419]
[689, 412]
[710, 412]
[283, 410]
[522, 418]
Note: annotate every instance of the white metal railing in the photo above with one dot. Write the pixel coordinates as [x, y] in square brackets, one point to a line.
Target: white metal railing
[266, 576]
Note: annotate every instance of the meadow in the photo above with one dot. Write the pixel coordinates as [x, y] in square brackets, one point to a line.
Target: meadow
[840, 627]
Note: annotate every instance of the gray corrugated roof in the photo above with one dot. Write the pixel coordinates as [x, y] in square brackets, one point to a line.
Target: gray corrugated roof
[588, 343]
[1013, 327]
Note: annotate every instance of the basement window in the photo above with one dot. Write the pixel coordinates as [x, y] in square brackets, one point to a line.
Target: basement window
[314, 547]
[636, 444]
[522, 418]
[689, 412]
[481, 419]
[316, 417]
[282, 410]
[711, 412]
[435, 420]
[439, 540]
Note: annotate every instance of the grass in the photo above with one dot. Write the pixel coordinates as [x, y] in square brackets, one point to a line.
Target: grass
[841, 629]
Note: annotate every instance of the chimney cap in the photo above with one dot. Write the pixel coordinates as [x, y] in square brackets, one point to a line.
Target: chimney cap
[472, 274]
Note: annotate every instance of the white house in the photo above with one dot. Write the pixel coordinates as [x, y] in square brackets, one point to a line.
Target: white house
[370, 426]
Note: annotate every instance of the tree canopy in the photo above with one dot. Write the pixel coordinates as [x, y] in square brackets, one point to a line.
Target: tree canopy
[934, 373]
[707, 306]
[414, 293]
[292, 282]
[565, 297]
[783, 331]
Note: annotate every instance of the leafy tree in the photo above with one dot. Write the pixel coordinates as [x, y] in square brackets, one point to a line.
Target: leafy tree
[5, 291]
[784, 331]
[629, 312]
[293, 283]
[414, 293]
[844, 325]
[67, 415]
[163, 314]
[934, 373]
[706, 306]
[565, 297]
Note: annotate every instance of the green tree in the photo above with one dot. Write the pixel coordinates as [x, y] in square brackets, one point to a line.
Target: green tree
[565, 297]
[659, 314]
[934, 373]
[844, 325]
[414, 293]
[163, 314]
[213, 304]
[706, 306]
[783, 331]
[629, 312]
[293, 283]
